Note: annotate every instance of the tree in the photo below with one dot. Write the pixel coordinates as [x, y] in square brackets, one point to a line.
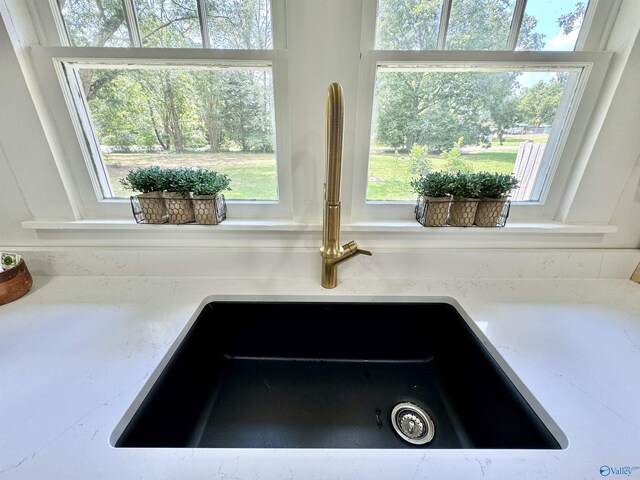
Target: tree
[168, 23]
[539, 103]
[408, 24]
[437, 108]
[94, 23]
[208, 85]
[177, 109]
[240, 23]
[572, 20]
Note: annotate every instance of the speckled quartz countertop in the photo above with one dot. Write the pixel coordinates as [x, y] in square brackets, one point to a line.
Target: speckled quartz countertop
[76, 351]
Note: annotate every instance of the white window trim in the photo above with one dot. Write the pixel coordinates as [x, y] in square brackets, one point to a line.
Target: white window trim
[575, 111]
[79, 150]
[594, 68]
[305, 182]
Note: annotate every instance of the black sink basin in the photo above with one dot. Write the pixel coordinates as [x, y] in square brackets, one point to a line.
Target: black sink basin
[328, 375]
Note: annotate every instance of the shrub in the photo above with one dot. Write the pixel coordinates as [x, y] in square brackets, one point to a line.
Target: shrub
[433, 184]
[465, 185]
[495, 185]
[454, 160]
[145, 179]
[209, 182]
[180, 180]
[420, 163]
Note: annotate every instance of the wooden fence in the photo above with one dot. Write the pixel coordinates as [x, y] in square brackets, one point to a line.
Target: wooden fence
[526, 169]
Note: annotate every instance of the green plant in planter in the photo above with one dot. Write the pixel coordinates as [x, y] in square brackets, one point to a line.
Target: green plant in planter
[145, 179]
[150, 182]
[209, 182]
[494, 189]
[464, 185]
[466, 195]
[432, 184]
[181, 181]
[207, 189]
[496, 185]
[432, 208]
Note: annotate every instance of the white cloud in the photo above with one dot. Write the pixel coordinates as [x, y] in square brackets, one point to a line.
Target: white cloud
[563, 42]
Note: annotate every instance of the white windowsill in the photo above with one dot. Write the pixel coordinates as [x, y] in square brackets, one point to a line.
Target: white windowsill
[403, 227]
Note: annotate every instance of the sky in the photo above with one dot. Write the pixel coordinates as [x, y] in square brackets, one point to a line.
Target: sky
[547, 13]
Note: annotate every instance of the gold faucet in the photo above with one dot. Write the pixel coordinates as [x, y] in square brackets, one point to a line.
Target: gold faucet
[332, 253]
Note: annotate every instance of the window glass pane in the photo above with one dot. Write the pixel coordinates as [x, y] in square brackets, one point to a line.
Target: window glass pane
[554, 23]
[239, 24]
[95, 23]
[459, 120]
[217, 118]
[408, 24]
[169, 23]
[479, 24]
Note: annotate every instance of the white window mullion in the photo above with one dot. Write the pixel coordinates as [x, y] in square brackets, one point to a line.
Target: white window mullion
[516, 24]
[99, 176]
[132, 21]
[204, 26]
[49, 21]
[444, 24]
[278, 24]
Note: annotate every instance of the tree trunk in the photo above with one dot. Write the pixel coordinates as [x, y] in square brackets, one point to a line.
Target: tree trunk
[155, 129]
[212, 127]
[173, 120]
[409, 142]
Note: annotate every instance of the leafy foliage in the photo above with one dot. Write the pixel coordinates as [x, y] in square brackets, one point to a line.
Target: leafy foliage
[436, 108]
[177, 109]
[573, 19]
[180, 180]
[539, 102]
[209, 182]
[432, 184]
[464, 185]
[495, 185]
[420, 163]
[146, 179]
[95, 23]
[454, 161]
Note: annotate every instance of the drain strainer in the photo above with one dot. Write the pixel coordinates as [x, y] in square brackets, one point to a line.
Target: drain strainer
[412, 423]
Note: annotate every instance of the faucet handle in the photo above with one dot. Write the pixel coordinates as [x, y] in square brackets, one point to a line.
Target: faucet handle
[353, 249]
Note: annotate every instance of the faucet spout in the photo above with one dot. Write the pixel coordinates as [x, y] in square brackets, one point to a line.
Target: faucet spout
[333, 254]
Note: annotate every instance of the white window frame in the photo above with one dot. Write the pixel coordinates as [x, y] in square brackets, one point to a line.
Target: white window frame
[306, 68]
[560, 151]
[81, 148]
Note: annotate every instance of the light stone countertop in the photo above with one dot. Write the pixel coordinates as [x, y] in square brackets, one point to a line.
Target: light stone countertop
[76, 351]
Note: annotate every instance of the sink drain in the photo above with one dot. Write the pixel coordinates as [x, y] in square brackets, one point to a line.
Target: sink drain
[412, 423]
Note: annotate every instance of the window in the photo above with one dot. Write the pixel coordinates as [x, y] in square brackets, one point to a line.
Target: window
[198, 91]
[427, 118]
[240, 86]
[491, 85]
[215, 117]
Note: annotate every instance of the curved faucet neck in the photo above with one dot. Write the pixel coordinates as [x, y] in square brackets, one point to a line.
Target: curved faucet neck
[332, 253]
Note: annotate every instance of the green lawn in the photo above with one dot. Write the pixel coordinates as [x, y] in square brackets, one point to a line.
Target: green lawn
[390, 177]
[253, 175]
[514, 140]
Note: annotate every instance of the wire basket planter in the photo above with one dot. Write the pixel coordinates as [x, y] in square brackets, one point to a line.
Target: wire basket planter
[202, 210]
[447, 212]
